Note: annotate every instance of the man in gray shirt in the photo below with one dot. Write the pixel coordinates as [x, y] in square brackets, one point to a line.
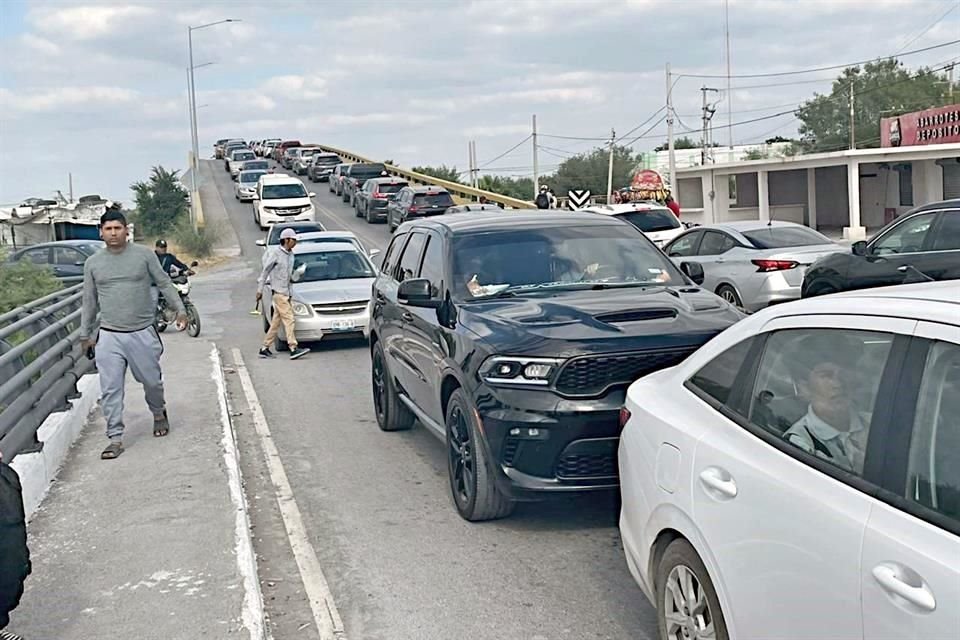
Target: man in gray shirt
[116, 281]
[278, 268]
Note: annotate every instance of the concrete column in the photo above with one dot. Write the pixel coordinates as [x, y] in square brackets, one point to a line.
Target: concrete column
[709, 201]
[721, 197]
[854, 231]
[812, 198]
[763, 196]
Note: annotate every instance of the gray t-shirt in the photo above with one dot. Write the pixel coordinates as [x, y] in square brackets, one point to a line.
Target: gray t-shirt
[118, 284]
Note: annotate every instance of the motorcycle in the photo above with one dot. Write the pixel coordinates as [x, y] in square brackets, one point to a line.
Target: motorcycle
[167, 315]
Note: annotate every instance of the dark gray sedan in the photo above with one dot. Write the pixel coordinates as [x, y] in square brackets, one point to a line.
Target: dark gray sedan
[64, 257]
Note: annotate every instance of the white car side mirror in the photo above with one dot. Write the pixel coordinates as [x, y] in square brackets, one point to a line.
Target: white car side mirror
[261, 243]
[298, 273]
[313, 195]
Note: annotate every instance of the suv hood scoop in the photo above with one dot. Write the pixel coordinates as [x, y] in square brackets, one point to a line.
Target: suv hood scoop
[636, 315]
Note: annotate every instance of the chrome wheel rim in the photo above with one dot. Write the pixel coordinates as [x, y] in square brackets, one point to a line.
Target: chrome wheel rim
[730, 296]
[686, 610]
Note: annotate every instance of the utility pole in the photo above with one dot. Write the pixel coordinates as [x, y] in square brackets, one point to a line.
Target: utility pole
[853, 132]
[536, 166]
[613, 138]
[950, 82]
[726, 29]
[470, 160]
[70, 179]
[671, 152]
[707, 133]
[193, 169]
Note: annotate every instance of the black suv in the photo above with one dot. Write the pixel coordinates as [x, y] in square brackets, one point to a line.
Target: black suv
[356, 174]
[371, 201]
[514, 338]
[922, 244]
[418, 202]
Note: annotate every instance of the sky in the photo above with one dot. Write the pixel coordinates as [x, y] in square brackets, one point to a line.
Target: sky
[98, 88]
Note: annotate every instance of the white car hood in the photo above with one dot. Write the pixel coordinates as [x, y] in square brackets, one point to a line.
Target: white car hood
[283, 203]
[660, 238]
[330, 291]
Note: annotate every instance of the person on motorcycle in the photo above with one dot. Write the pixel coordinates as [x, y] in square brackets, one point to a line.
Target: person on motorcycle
[546, 199]
[169, 261]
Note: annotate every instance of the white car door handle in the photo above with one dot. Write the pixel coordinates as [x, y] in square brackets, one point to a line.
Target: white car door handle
[888, 575]
[719, 481]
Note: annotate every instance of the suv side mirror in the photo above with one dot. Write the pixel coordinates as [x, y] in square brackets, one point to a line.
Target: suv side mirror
[261, 243]
[693, 270]
[859, 248]
[417, 293]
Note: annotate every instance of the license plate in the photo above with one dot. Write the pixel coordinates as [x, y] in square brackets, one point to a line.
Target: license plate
[344, 325]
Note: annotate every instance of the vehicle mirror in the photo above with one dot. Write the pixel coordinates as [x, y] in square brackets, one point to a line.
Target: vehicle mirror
[374, 253]
[313, 195]
[261, 243]
[417, 293]
[859, 248]
[693, 270]
[194, 264]
[298, 272]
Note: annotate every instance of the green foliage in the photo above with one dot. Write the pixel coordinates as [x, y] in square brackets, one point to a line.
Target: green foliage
[520, 188]
[756, 154]
[443, 172]
[880, 89]
[21, 282]
[680, 143]
[161, 202]
[589, 171]
[197, 242]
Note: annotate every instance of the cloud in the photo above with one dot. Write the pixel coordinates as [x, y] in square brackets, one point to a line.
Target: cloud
[63, 98]
[86, 22]
[296, 87]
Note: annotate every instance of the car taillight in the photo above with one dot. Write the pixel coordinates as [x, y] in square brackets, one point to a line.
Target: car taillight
[624, 416]
[765, 266]
[412, 210]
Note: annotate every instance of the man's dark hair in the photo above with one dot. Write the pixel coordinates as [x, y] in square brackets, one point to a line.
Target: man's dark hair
[113, 215]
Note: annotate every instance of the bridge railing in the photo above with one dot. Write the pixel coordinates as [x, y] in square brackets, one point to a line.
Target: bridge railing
[457, 190]
[40, 362]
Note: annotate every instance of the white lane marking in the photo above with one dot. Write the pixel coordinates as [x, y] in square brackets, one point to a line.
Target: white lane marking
[325, 613]
[253, 614]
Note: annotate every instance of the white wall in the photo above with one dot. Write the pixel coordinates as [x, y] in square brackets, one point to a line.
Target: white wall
[927, 182]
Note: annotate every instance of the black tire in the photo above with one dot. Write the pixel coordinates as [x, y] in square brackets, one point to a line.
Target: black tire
[356, 208]
[368, 215]
[729, 294]
[344, 197]
[160, 326]
[472, 486]
[680, 555]
[193, 321]
[823, 288]
[392, 414]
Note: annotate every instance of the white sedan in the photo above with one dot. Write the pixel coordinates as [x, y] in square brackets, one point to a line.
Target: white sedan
[799, 475]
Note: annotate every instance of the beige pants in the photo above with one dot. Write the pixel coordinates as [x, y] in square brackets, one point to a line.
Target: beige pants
[282, 312]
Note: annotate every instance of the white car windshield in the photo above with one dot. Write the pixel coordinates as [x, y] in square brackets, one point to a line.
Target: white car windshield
[333, 265]
[280, 191]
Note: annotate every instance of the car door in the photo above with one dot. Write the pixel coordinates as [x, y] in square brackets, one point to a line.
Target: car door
[68, 262]
[424, 340]
[782, 519]
[941, 260]
[712, 254]
[900, 245]
[910, 563]
[405, 263]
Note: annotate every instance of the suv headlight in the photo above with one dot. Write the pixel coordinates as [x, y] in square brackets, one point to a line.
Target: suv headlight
[299, 309]
[519, 370]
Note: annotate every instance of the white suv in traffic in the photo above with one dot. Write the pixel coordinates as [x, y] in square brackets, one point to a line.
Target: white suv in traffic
[282, 198]
[656, 221]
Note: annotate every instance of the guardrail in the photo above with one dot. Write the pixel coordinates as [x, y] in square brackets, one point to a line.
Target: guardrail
[40, 362]
[464, 192]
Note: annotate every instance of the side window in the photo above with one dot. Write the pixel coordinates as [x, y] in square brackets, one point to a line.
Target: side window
[948, 232]
[410, 260]
[715, 243]
[393, 251]
[906, 237]
[816, 388]
[717, 377]
[685, 246]
[37, 256]
[67, 257]
[933, 471]
[432, 268]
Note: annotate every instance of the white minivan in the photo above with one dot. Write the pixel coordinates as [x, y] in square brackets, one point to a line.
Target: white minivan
[282, 198]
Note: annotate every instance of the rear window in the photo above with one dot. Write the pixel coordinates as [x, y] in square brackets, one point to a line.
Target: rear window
[243, 155]
[251, 176]
[777, 237]
[433, 200]
[299, 228]
[306, 153]
[327, 160]
[652, 220]
[258, 165]
[390, 188]
[368, 170]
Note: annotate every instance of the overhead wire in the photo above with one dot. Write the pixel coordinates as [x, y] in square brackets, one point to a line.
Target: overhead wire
[952, 8]
[505, 153]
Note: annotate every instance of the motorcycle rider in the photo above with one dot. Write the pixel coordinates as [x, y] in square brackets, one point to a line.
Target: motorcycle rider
[168, 262]
[546, 199]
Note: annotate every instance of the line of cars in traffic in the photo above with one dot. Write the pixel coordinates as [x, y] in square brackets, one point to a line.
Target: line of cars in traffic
[787, 472]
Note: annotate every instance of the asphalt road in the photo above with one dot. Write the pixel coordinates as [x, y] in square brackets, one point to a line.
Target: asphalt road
[401, 564]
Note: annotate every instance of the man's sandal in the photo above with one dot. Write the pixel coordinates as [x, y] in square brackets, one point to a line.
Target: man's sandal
[161, 426]
[113, 450]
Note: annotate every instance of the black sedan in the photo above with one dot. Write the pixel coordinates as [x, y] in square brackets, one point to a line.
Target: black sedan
[65, 257]
[923, 244]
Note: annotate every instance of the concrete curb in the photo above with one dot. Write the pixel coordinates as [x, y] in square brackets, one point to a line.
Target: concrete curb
[228, 244]
[59, 431]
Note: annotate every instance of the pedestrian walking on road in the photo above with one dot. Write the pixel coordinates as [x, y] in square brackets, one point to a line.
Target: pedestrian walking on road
[673, 206]
[14, 554]
[117, 282]
[279, 271]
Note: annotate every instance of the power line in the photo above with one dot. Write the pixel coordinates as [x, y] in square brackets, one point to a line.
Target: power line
[818, 69]
[507, 152]
[642, 124]
[645, 133]
[930, 26]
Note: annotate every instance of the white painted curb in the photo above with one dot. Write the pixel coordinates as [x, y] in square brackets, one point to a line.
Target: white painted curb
[59, 431]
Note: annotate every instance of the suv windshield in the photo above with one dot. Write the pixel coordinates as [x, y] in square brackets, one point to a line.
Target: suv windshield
[521, 260]
[777, 237]
[333, 265]
[277, 191]
[652, 220]
[251, 176]
[243, 155]
[433, 200]
[306, 153]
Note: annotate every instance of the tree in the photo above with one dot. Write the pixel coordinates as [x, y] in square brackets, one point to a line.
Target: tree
[443, 172]
[880, 89]
[520, 188]
[23, 281]
[589, 171]
[161, 202]
[680, 143]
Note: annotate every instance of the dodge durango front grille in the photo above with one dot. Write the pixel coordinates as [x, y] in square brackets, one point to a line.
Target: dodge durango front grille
[592, 375]
[582, 466]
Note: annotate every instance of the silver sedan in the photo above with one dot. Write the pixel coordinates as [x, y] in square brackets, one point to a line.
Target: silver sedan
[330, 292]
[752, 264]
